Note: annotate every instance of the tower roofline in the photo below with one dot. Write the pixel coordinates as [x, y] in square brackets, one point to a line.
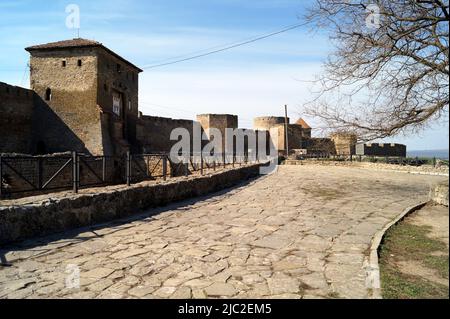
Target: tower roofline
[78, 43]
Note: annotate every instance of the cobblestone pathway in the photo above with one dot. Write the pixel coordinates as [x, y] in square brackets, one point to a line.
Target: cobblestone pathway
[300, 233]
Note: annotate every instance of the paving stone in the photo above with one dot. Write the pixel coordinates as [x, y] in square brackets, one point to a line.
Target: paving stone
[128, 253]
[182, 293]
[100, 285]
[196, 252]
[315, 280]
[272, 242]
[290, 263]
[116, 291]
[182, 278]
[98, 273]
[283, 285]
[210, 269]
[252, 279]
[141, 291]
[88, 295]
[165, 292]
[14, 285]
[219, 289]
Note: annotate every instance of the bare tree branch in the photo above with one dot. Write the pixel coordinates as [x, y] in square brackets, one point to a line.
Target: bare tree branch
[384, 80]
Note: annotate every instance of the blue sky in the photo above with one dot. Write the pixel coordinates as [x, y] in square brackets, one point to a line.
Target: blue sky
[254, 80]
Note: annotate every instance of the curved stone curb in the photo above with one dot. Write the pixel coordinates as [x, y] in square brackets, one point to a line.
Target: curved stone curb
[373, 282]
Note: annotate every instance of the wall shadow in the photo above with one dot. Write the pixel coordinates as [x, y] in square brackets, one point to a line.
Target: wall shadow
[50, 133]
[72, 236]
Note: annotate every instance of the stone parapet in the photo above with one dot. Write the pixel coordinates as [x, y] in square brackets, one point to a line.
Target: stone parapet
[439, 194]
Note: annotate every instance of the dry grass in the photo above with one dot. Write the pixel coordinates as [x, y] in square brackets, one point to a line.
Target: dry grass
[406, 242]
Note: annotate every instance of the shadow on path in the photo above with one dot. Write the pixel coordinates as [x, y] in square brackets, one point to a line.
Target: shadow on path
[71, 237]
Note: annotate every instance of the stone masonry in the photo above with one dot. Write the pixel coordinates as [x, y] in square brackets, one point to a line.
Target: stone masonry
[287, 235]
[16, 114]
[78, 79]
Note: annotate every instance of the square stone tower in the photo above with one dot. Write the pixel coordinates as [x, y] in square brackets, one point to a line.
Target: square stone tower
[345, 143]
[93, 90]
[220, 122]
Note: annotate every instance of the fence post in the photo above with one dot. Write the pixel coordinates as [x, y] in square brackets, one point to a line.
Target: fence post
[224, 160]
[214, 164]
[201, 163]
[104, 169]
[1, 175]
[75, 171]
[39, 178]
[186, 167]
[165, 167]
[128, 168]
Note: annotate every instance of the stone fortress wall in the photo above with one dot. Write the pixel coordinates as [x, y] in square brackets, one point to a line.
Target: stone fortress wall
[29, 126]
[16, 117]
[84, 98]
[378, 149]
[153, 133]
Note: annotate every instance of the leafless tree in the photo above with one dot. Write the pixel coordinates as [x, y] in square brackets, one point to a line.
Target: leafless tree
[389, 72]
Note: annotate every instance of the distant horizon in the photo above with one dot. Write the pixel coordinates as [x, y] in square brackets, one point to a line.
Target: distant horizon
[434, 149]
[437, 153]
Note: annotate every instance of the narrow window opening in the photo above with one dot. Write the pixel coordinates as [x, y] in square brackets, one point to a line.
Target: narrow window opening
[48, 94]
[80, 62]
[64, 64]
[119, 67]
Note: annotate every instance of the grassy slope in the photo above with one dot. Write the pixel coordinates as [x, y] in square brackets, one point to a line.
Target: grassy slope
[408, 242]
